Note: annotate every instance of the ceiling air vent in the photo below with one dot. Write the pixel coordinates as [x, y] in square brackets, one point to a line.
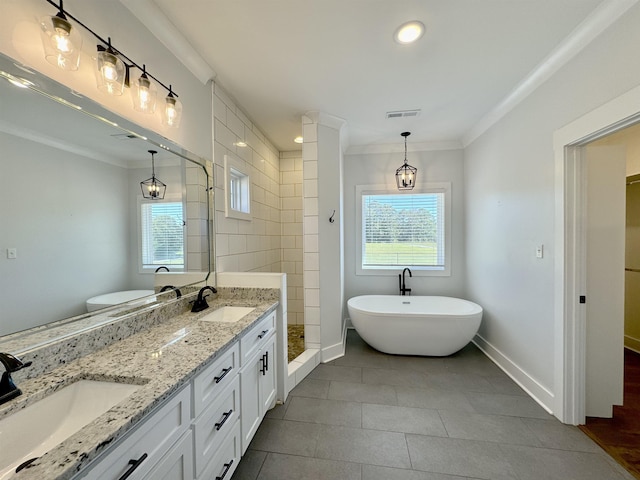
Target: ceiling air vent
[403, 114]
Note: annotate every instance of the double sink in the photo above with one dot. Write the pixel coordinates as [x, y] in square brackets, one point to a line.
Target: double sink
[36, 429]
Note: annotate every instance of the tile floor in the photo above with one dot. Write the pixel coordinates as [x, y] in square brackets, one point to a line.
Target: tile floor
[371, 416]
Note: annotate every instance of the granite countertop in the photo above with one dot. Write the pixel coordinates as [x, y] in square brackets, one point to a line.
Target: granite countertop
[161, 359]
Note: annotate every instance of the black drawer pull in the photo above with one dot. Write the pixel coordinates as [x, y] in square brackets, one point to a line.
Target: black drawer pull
[134, 464]
[266, 361]
[227, 466]
[224, 374]
[263, 368]
[225, 417]
[264, 332]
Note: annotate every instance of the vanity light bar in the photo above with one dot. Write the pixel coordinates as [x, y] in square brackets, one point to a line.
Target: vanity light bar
[114, 69]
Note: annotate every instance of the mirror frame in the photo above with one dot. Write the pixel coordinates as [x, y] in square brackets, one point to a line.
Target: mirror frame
[17, 342]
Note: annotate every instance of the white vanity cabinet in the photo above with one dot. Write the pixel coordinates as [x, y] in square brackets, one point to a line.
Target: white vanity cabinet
[150, 443]
[257, 376]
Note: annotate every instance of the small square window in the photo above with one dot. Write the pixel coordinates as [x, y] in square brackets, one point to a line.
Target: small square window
[161, 234]
[237, 189]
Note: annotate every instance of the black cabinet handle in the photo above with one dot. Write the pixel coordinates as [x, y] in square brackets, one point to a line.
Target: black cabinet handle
[264, 332]
[263, 368]
[266, 360]
[223, 374]
[222, 421]
[227, 466]
[134, 464]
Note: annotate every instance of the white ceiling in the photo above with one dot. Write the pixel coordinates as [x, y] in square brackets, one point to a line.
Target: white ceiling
[282, 58]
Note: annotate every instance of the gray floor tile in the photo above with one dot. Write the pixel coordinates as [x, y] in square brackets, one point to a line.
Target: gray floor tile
[360, 392]
[402, 419]
[463, 382]
[454, 456]
[328, 412]
[289, 467]
[371, 472]
[553, 434]
[310, 387]
[503, 384]
[532, 463]
[500, 404]
[364, 358]
[363, 446]
[337, 372]
[283, 436]
[425, 365]
[490, 428]
[250, 465]
[278, 411]
[433, 398]
[387, 376]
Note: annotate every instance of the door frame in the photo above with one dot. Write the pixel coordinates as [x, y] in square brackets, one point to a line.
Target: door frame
[570, 247]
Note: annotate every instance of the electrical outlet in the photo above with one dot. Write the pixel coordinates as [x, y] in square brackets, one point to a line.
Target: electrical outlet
[12, 253]
[540, 251]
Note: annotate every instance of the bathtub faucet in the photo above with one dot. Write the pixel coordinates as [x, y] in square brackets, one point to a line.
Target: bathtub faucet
[401, 281]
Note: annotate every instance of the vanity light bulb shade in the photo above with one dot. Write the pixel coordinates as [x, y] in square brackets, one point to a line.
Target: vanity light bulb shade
[111, 73]
[144, 95]
[61, 42]
[172, 112]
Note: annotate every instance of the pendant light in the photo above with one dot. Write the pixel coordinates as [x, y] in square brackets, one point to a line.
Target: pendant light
[144, 94]
[152, 188]
[172, 113]
[406, 174]
[111, 70]
[61, 42]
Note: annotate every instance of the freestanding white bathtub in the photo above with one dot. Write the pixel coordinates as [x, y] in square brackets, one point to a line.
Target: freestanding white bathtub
[115, 298]
[420, 325]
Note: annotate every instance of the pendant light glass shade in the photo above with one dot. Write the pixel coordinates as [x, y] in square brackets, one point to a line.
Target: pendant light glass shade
[144, 94]
[152, 188]
[61, 42]
[112, 71]
[406, 174]
[172, 113]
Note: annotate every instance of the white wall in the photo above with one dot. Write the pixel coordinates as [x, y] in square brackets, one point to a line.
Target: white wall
[379, 169]
[246, 245]
[509, 201]
[72, 241]
[291, 217]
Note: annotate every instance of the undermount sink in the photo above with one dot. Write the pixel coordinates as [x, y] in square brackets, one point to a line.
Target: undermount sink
[33, 431]
[227, 314]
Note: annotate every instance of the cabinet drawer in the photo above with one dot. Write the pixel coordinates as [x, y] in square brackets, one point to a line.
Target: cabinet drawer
[214, 379]
[153, 438]
[215, 423]
[177, 463]
[226, 459]
[253, 340]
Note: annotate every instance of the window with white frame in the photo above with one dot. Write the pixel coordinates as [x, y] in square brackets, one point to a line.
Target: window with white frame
[403, 229]
[237, 189]
[162, 234]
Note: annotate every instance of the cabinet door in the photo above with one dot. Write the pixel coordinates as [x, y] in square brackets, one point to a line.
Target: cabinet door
[177, 464]
[267, 377]
[250, 399]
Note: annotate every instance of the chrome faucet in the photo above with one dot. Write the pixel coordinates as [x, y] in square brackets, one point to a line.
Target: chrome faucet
[201, 302]
[401, 281]
[8, 389]
[171, 287]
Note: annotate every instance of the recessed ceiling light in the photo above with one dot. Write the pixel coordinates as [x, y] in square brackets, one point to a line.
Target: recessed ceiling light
[298, 139]
[409, 32]
[240, 144]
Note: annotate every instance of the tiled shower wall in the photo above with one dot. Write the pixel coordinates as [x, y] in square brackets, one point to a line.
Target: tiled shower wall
[291, 216]
[242, 245]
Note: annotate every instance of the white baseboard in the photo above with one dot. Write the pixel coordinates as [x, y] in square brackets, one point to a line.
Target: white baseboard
[337, 350]
[535, 389]
[632, 343]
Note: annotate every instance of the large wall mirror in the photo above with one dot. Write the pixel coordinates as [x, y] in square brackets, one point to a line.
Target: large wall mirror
[73, 221]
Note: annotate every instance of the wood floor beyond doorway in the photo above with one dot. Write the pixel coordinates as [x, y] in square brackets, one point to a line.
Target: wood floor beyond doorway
[620, 436]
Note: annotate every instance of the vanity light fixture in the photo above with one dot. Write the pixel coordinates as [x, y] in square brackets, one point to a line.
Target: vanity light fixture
[298, 139]
[406, 174]
[144, 94]
[409, 32]
[62, 43]
[172, 113]
[152, 188]
[112, 71]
